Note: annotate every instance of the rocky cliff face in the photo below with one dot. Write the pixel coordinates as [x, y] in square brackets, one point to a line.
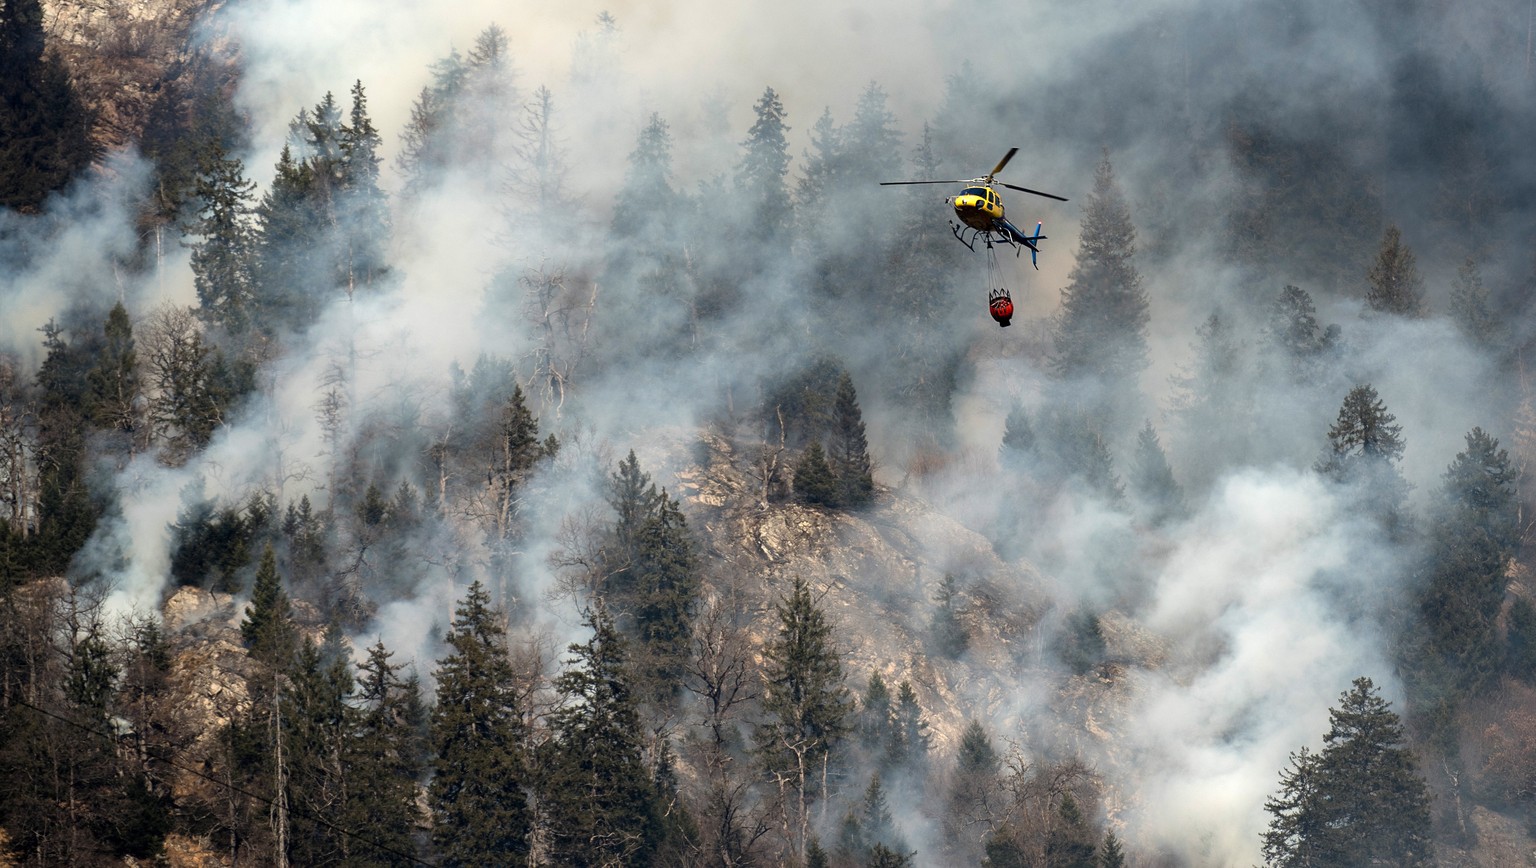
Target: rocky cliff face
[123, 54]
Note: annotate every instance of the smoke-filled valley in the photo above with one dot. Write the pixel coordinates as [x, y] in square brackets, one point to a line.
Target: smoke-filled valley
[499, 436]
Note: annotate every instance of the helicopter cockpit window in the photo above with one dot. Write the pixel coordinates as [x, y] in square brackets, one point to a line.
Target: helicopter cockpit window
[974, 191]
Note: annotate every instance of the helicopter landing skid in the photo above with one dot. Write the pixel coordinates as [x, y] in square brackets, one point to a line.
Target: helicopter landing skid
[961, 232]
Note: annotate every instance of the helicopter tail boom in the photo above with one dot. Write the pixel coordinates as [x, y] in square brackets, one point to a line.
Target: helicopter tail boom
[1030, 241]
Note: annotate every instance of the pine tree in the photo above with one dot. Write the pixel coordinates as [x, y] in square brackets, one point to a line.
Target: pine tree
[1101, 332]
[909, 741]
[479, 810]
[490, 94]
[1298, 831]
[806, 705]
[268, 627]
[1151, 480]
[317, 724]
[874, 721]
[1069, 843]
[1213, 399]
[222, 261]
[820, 171]
[1075, 449]
[814, 481]
[666, 573]
[1472, 538]
[634, 500]
[113, 387]
[1364, 447]
[1395, 284]
[1375, 793]
[760, 178]
[385, 762]
[1110, 854]
[1018, 446]
[1471, 307]
[1291, 330]
[877, 824]
[66, 512]
[362, 211]
[1080, 644]
[950, 638]
[287, 259]
[1359, 801]
[517, 451]
[647, 191]
[976, 766]
[850, 449]
[594, 789]
[46, 126]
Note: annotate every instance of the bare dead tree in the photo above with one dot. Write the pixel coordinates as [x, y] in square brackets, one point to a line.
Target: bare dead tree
[560, 312]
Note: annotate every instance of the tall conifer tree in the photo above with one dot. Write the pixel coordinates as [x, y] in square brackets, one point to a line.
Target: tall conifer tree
[1395, 286]
[594, 789]
[1101, 332]
[479, 808]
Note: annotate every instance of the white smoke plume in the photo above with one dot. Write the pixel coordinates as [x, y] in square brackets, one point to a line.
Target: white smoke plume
[1270, 597]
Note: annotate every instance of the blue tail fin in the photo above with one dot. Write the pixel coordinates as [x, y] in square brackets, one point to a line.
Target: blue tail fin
[1034, 250]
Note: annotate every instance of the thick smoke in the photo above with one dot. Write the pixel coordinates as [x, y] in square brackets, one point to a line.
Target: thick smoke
[1268, 597]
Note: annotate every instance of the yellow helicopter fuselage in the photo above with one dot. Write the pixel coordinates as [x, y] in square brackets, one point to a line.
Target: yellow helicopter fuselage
[978, 207]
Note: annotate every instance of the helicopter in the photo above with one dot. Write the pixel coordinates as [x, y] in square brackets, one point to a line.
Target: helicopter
[980, 210]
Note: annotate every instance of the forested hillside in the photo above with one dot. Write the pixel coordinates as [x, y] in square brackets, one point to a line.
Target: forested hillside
[490, 436]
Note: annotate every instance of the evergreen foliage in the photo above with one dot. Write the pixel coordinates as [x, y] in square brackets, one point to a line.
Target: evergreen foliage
[850, 450]
[808, 709]
[1291, 329]
[667, 577]
[973, 789]
[1018, 440]
[814, 481]
[1101, 332]
[1080, 644]
[1395, 284]
[1359, 801]
[268, 627]
[594, 788]
[46, 142]
[222, 261]
[1364, 446]
[1110, 853]
[950, 637]
[1151, 481]
[909, 741]
[1074, 448]
[1472, 538]
[386, 757]
[1472, 307]
[1213, 399]
[760, 178]
[1069, 844]
[113, 386]
[66, 511]
[477, 796]
[875, 721]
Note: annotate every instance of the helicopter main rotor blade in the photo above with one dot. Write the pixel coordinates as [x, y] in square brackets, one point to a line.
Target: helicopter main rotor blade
[1036, 192]
[1003, 162]
[901, 183]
